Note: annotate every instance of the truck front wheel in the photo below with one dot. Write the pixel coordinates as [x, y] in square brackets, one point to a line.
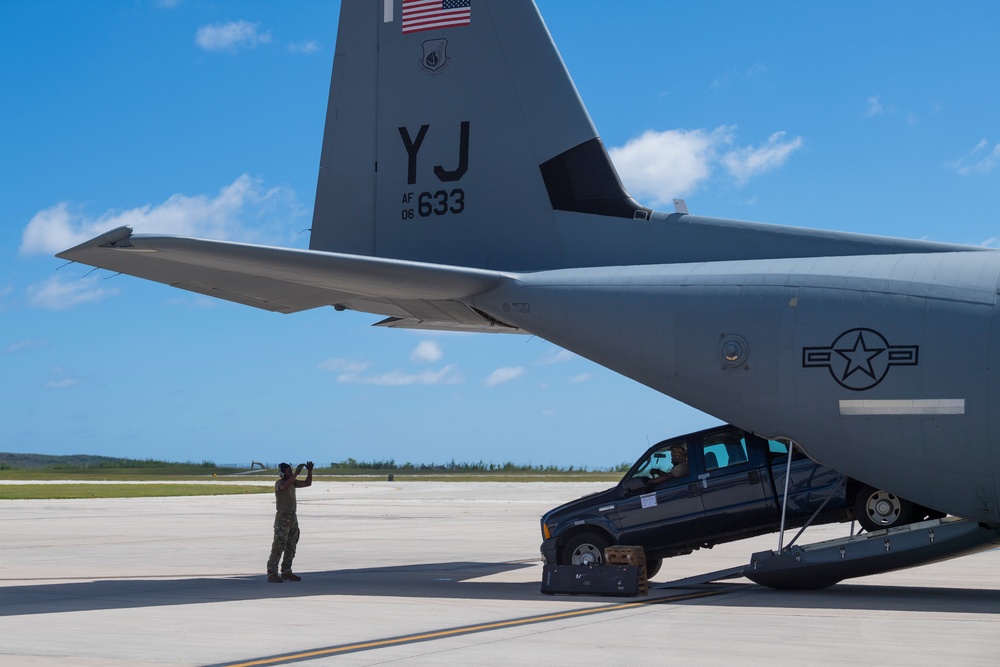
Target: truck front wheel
[585, 549]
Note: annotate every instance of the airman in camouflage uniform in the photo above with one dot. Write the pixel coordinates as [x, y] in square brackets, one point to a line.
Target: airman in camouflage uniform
[286, 524]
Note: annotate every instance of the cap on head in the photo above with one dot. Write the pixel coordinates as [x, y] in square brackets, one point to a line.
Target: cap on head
[284, 467]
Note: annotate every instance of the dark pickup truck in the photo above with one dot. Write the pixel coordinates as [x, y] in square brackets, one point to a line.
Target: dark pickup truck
[710, 487]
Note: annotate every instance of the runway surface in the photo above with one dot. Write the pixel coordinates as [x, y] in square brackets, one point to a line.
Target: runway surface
[431, 574]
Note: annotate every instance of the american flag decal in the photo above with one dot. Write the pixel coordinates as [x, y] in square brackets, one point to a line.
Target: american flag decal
[420, 15]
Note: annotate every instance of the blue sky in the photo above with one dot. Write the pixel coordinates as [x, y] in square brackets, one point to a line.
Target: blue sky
[205, 118]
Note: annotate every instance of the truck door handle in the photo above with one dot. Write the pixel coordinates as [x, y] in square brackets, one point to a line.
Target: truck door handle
[692, 490]
[754, 477]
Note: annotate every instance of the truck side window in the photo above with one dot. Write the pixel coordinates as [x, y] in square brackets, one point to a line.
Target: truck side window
[724, 452]
[780, 450]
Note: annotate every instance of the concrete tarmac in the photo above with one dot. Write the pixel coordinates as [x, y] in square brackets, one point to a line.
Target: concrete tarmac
[420, 573]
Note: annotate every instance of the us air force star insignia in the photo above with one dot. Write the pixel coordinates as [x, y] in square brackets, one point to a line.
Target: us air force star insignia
[859, 358]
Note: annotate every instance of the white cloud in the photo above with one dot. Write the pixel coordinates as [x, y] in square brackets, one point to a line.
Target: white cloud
[308, 46]
[62, 380]
[502, 375]
[874, 107]
[447, 375]
[53, 230]
[168, 4]
[550, 412]
[231, 36]
[240, 210]
[345, 365]
[427, 352]
[57, 294]
[980, 160]
[23, 345]
[582, 377]
[747, 162]
[350, 371]
[658, 166]
[756, 71]
[559, 356]
[662, 165]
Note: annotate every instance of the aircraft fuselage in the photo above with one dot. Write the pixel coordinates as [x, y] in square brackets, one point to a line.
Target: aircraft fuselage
[879, 365]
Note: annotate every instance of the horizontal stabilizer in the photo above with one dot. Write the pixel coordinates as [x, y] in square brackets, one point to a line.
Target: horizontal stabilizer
[288, 280]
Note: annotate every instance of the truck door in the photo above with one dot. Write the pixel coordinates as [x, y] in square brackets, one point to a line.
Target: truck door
[667, 512]
[732, 484]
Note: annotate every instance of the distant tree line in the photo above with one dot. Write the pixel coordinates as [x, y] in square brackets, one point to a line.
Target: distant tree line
[134, 463]
[12, 461]
[390, 465]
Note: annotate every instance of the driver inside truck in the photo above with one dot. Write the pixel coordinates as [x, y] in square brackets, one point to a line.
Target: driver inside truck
[679, 460]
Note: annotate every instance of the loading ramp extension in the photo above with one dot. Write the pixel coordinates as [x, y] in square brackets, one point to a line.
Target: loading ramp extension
[823, 564]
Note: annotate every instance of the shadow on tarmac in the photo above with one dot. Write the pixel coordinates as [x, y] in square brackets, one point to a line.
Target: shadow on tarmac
[880, 598]
[456, 581]
[434, 580]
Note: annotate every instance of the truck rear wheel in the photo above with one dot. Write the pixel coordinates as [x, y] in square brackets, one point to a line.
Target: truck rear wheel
[876, 509]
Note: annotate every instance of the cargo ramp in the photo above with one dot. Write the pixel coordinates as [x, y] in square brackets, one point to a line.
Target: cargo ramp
[823, 564]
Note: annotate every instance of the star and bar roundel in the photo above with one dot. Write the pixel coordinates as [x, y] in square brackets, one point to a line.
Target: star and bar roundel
[859, 358]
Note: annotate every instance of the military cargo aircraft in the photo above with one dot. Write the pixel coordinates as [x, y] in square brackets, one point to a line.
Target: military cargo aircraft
[463, 186]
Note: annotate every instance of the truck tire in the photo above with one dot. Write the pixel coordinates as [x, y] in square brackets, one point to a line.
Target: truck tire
[876, 509]
[585, 548]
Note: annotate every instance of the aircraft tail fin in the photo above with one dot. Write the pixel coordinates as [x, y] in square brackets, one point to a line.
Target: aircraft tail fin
[454, 135]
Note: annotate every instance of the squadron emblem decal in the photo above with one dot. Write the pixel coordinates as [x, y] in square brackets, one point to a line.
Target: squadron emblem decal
[859, 358]
[435, 59]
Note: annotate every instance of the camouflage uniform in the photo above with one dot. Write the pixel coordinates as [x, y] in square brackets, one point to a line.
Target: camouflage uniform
[286, 537]
[286, 530]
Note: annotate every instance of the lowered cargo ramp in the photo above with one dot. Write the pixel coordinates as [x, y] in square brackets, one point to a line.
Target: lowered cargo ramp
[812, 566]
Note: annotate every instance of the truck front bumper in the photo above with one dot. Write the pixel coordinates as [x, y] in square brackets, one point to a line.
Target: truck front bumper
[549, 551]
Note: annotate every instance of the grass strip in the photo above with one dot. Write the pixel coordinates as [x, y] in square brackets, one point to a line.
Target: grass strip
[66, 491]
[325, 476]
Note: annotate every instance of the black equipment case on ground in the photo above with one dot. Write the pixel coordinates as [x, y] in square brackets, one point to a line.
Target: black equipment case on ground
[591, 580]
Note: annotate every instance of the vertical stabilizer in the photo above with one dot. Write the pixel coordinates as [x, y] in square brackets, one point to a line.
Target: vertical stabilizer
[453, 135]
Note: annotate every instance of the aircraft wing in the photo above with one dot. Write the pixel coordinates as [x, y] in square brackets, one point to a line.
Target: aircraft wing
[286, 280]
